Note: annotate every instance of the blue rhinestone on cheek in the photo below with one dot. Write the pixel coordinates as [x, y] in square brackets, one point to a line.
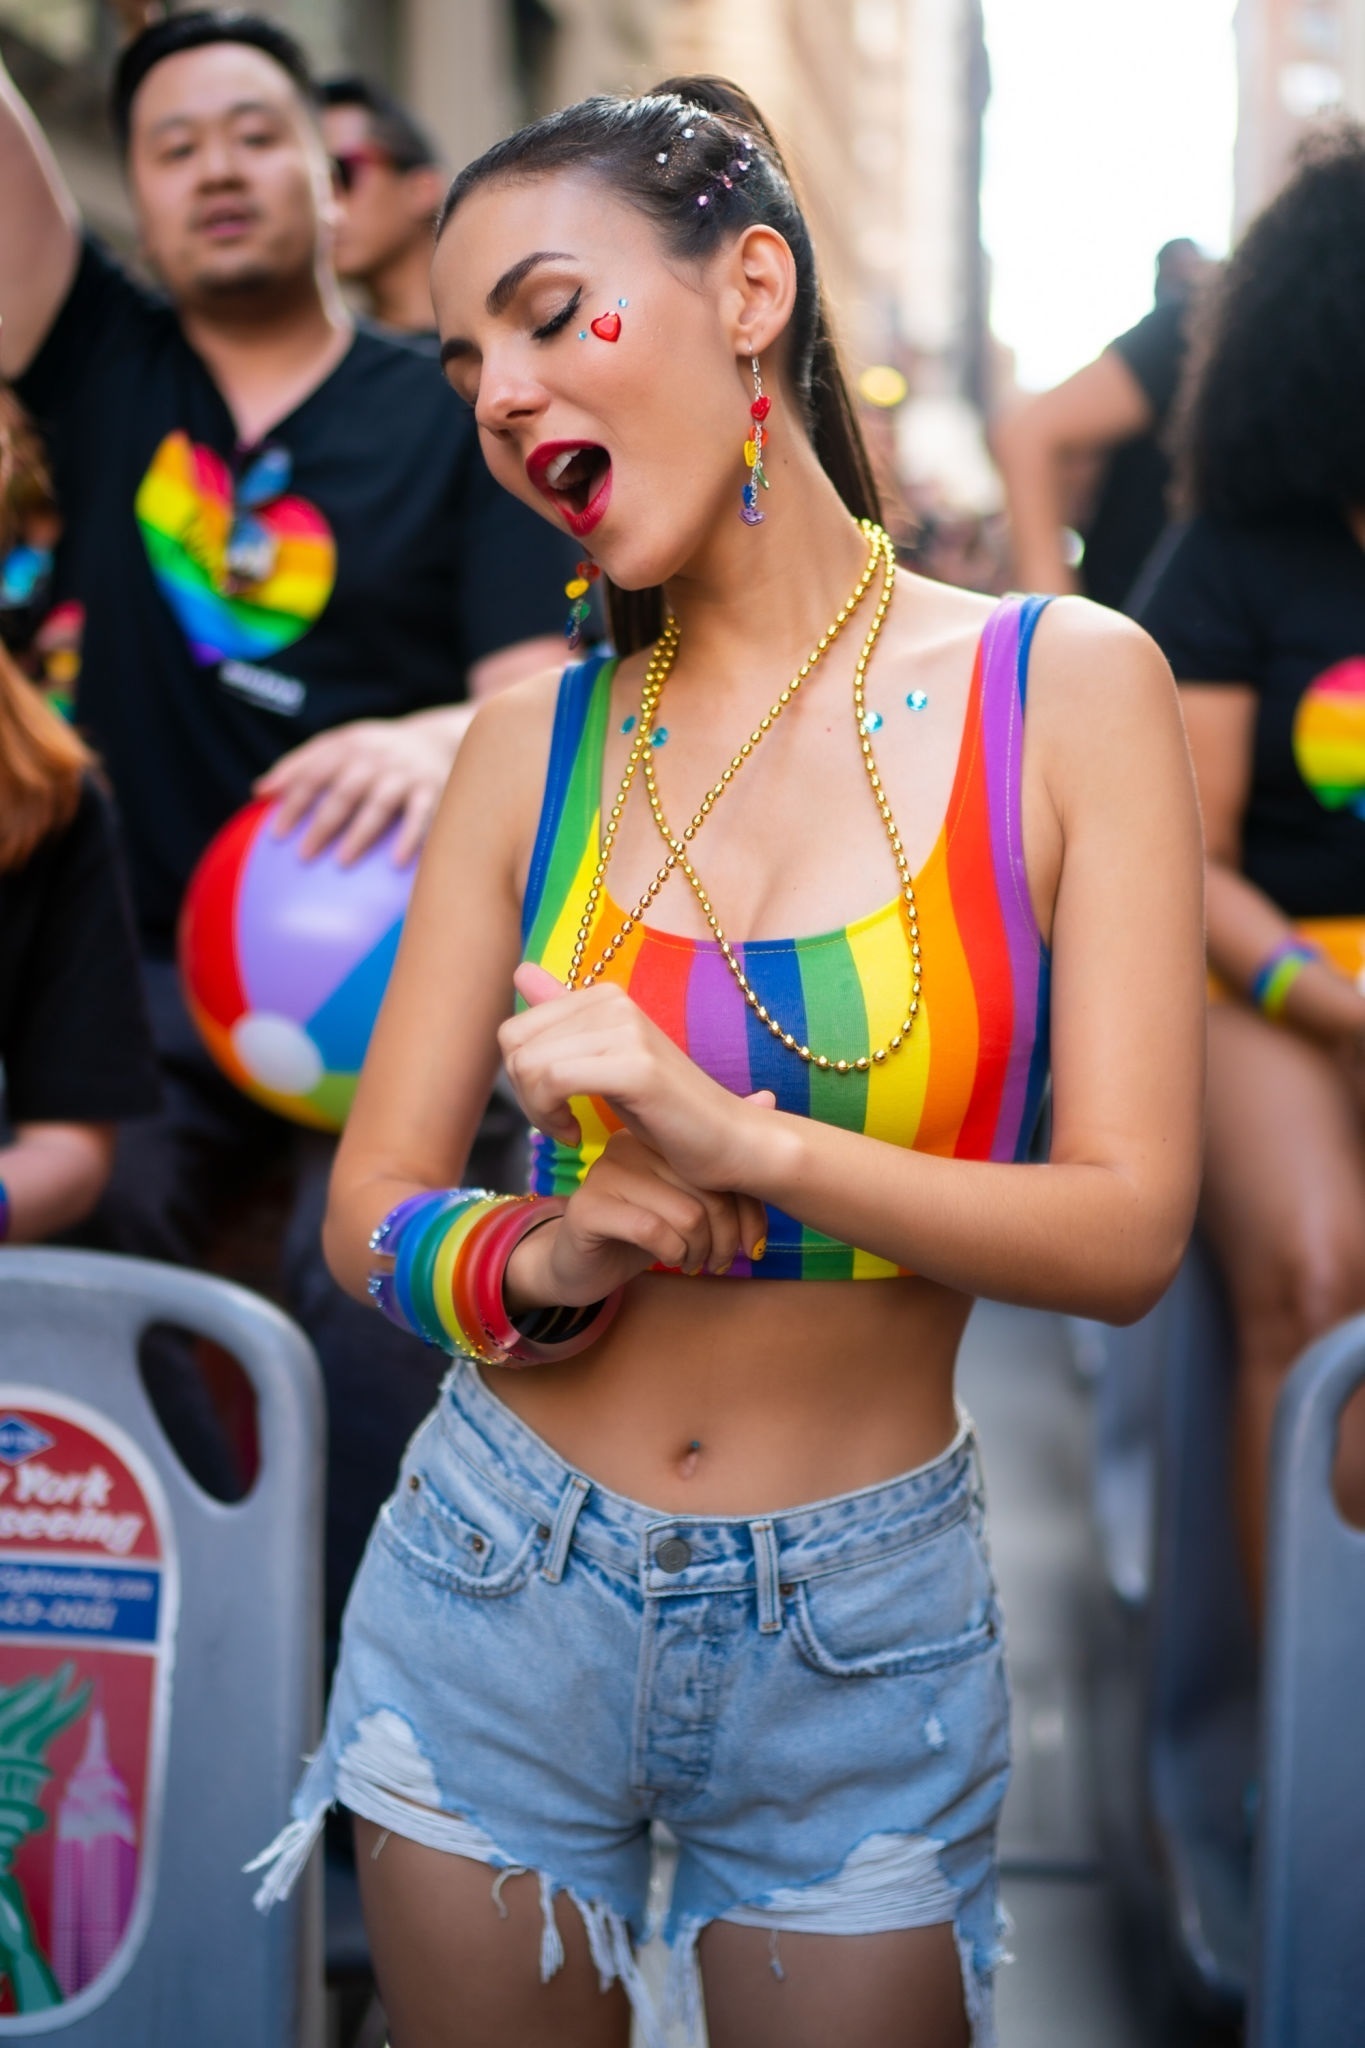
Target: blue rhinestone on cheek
[623, 303]
[628, 724]
[873, 722]
[582, 334]
[659, 738]
[917, 700]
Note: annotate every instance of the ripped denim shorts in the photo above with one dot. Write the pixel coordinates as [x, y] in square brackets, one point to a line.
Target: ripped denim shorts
[534, 1670]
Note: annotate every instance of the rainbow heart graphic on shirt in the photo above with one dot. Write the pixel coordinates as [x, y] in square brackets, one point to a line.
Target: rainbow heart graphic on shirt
[184, 508]
[1329, 736]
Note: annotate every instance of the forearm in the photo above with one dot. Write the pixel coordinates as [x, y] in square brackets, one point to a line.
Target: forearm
[39, 232]
[514, 664]
[1079, 1237]
[1033, 486]
[53, 1175]
[1244, 929]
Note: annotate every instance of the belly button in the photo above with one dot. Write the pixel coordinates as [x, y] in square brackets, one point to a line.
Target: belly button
[690, 1459]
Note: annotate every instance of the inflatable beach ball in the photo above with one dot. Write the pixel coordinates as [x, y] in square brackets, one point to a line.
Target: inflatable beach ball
[285, 961]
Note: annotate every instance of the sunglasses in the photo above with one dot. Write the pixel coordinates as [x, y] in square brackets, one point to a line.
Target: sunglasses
[263, 477]
[348, 164]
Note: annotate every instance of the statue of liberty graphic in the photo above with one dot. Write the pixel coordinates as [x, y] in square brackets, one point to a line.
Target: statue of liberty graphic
[32, 1716]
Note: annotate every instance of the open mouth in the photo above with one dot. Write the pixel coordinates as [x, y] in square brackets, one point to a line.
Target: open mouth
[576, 478]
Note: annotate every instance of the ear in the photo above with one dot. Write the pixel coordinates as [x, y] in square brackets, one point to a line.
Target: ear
[760, 289]
[425, 188]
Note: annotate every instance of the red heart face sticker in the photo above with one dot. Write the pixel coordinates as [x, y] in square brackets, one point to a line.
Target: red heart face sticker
[607, 326]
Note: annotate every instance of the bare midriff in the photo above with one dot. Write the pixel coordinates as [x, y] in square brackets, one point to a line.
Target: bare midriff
[716, 1398]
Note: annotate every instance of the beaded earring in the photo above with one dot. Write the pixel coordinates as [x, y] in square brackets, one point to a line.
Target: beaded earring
[753, 450]
[576, 590]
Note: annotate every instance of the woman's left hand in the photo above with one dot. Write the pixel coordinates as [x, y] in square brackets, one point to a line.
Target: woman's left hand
[598, 1042]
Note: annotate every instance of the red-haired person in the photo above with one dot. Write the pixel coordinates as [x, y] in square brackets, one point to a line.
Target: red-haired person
[74, 1043]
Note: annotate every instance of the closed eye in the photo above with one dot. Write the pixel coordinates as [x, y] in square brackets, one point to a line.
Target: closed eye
[560, 319]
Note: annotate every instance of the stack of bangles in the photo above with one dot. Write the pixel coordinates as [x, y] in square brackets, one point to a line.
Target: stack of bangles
[4, 1212]
[440, 1260]
[1277, 973]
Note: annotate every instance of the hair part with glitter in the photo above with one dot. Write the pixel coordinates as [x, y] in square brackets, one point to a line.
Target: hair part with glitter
[698, 159]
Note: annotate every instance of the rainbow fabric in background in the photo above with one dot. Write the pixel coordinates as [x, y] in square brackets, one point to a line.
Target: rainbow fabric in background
[967, 1084]
[285, 961]
[1329, 736]
[184, 509]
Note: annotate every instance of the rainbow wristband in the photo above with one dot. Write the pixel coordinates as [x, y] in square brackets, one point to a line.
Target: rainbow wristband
[1277, 973]
[441, 1259]
[4, 1212]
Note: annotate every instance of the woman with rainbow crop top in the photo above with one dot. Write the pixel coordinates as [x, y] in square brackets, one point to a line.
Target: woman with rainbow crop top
[716, 1558]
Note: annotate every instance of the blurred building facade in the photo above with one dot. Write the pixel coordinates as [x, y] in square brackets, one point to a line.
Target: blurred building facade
[1296, 61]
[879, 103]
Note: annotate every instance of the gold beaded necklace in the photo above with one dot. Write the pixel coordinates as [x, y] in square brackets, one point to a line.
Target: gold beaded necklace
[656, 675]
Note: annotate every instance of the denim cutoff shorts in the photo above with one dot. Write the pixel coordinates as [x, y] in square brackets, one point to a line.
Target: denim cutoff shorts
[534, 1670]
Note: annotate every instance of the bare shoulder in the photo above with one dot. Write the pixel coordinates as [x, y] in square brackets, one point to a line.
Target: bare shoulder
[498, 780]
[1102, 702]
[1089, 661]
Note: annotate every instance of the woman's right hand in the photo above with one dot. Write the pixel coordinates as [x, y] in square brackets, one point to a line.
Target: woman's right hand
[631, 1212]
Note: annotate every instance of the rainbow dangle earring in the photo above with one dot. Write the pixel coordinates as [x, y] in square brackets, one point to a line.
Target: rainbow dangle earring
[576, 590]
[753, 451]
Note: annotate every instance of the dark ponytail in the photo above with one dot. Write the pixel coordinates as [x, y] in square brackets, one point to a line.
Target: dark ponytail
[698, 158]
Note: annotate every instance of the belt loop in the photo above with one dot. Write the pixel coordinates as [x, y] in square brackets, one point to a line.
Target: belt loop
[561, 1534]
[765, 1559]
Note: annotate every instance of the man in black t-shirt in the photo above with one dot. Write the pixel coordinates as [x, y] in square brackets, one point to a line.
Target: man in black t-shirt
[1099, 435]
[284, 562]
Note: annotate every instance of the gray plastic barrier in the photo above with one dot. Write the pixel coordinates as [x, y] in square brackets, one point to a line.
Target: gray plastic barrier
[1308, 1974]
[244, 1696]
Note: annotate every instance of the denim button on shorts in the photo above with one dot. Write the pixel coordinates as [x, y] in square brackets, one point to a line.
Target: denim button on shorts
[534, 1670]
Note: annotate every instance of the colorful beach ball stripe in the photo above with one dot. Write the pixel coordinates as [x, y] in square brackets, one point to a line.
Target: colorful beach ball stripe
[285, 962]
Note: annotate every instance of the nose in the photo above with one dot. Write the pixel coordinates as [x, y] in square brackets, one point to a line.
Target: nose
[218, 161]
[510, 397]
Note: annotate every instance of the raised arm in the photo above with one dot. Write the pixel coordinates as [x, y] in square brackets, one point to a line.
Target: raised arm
[1091, 412]
[39, 232]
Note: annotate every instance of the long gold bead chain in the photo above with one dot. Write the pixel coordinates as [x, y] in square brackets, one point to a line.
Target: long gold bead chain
[823, 1061]
[656, 675]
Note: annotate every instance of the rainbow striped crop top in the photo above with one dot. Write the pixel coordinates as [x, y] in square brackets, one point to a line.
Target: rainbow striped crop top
[968, 1082]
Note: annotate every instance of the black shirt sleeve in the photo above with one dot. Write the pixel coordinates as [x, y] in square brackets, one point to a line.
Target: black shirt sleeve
[76, 1046]
[1197, 607]
[1154, 351]
[511, 566]
[97, 317]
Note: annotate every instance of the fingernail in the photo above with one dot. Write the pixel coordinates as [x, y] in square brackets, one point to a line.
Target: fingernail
[760, 1247]
[693, 1271]
[721, 1271]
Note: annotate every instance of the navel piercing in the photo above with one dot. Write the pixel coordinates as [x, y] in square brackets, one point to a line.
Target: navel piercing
[753, 450]
[576, 590]
[917, 700]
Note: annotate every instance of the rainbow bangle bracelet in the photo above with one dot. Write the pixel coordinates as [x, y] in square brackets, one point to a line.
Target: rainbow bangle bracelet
[440, 1260]
[4, 1212]
[1277, 973]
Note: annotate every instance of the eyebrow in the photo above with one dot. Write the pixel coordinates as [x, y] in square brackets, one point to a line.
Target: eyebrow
[511, 280]
[188, 120]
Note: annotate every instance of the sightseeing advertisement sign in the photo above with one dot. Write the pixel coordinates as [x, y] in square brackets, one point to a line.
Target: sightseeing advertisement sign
[88, 1597]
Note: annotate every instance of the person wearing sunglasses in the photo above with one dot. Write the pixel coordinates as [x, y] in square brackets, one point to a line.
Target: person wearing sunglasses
[293, 569]
[389, 183]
